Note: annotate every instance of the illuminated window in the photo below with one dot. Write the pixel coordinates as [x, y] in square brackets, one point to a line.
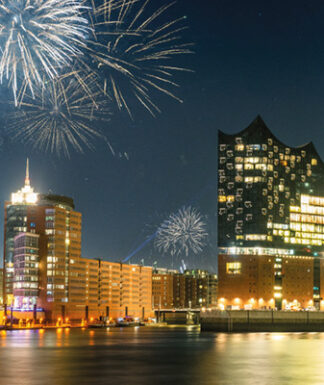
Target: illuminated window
[248, 166]
[255, 237]
[239, 147]
[233, 267]
[261, 166]
[314, 162]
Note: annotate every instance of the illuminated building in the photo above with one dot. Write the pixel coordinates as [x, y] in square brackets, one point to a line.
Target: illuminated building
[26, 270]
[107, 289]
[58, 226]
[17, 211]
[270, 220]
[44, 267]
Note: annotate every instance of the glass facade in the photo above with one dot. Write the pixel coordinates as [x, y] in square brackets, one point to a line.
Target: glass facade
[270, 203]
[269, 194]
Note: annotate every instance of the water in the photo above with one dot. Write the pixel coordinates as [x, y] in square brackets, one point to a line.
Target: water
[159, 356]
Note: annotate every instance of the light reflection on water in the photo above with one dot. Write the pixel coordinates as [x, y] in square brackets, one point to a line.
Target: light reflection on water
[159, 356]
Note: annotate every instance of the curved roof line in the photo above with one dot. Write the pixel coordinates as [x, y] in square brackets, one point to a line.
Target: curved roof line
[258, 123]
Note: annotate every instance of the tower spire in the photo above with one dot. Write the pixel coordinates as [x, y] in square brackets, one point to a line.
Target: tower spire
[27, 180]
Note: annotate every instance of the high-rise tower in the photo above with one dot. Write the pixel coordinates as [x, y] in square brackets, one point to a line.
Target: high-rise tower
[58, 226]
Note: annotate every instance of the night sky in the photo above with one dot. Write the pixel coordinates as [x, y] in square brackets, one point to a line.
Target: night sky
[252, 57]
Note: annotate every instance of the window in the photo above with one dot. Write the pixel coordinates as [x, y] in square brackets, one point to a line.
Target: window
[233, 267]
[222, 147]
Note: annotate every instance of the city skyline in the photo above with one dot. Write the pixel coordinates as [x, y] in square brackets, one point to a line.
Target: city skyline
[125, 197]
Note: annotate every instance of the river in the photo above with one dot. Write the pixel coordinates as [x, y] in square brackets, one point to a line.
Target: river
[159, 356]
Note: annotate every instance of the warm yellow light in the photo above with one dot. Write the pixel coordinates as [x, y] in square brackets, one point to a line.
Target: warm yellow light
[237, 300]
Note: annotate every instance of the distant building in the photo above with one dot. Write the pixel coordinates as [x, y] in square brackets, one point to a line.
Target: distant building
[270, 221]
[191, 289]
[162, 289]
[203, 288]
[179, 291]
[1, 286]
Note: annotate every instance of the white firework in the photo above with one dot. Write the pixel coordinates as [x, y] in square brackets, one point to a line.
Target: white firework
[64, 113]
[134, 50]
[37, 37]
[183, 232]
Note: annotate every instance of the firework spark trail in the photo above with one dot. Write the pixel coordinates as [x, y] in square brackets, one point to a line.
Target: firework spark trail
[182, 232]
[61, 114]
[134, 52]
[36, 38]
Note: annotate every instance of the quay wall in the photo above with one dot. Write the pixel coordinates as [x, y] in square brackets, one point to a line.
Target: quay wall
[262, 321]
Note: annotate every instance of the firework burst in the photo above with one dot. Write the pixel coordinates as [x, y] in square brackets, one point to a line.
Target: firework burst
[133, 50]
[36, 38]
[61, 114]
[183, 232]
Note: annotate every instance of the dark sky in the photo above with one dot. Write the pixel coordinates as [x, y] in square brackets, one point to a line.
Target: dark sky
[252, 57]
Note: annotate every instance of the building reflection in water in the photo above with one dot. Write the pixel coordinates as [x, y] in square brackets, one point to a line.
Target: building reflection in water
[145, 356]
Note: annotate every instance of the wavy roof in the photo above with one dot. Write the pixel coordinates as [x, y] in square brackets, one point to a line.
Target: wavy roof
[258, 130]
